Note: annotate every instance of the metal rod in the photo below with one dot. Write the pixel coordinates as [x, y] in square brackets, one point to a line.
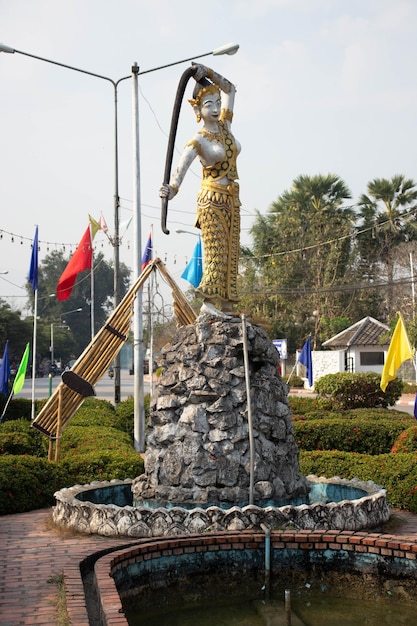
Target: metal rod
[248, 401]
[138, 381]
[267, 532]
[288, 607]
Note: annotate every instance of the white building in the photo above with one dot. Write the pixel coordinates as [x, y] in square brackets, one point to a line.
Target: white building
[355, 349]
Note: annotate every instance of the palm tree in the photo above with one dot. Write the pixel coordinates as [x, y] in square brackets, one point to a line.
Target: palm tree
[301, 248]
[388, 219]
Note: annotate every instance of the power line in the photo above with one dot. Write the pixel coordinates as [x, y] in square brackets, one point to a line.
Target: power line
[301, 291]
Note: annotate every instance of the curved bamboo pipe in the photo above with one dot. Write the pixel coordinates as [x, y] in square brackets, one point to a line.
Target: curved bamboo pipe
[189, 72]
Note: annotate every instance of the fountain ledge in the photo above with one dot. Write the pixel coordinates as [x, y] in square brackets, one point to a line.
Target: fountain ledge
[79, 508]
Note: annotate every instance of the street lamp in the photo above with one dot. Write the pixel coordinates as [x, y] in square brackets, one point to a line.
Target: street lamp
[188, 232]
[116, 240]
[52, 347]
[226, 49]
[68, 312]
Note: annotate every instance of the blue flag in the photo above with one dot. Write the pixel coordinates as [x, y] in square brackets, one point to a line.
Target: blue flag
[33, 269]
[306, 359]
[147, 255]
[5, 371]
[194, 269]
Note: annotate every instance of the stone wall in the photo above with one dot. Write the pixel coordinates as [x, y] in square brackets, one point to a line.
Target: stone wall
[91, 509]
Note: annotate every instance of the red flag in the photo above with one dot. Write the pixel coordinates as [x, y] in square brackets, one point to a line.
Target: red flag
[81, 260]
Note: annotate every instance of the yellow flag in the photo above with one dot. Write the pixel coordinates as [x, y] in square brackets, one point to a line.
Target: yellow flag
[399, 351]
[95, 226]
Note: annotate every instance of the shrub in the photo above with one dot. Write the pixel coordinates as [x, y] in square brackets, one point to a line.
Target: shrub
[125, 414]
[355, 390]
[18, 408]
[27, 483]
[92, 448]
[356, 414]
[17, 437]
[94, 412]
[406, 441]
[84, 440]
[300, 405]
[360, 436]
[86, 468]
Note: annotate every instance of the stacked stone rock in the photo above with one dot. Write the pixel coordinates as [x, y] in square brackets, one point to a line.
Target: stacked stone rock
[197, 444]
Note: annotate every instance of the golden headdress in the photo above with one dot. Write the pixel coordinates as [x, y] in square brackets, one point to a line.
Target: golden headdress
[200, 91]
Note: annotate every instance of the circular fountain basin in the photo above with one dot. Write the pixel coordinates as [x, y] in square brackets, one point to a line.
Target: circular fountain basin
[106, 508]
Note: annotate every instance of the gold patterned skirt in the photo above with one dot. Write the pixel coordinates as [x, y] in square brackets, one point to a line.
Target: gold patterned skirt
[218, 217]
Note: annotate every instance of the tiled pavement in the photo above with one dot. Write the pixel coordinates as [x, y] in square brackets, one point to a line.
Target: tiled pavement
[33, 554]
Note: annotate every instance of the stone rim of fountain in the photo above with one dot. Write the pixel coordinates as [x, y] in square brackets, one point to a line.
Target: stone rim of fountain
[71, 511]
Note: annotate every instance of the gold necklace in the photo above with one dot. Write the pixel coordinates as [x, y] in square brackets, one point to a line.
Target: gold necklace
[211, 135]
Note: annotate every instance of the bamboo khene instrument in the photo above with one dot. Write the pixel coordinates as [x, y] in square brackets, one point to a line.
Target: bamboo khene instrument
[98, 355]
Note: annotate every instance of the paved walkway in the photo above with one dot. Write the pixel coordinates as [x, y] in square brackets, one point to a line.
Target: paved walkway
[34, 554]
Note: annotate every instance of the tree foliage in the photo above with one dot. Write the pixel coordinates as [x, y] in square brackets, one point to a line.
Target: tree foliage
[387, 220]
[16, 330]
[297, 260]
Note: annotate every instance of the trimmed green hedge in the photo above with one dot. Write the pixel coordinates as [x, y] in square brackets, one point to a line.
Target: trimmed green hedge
[90, 439]
[406, 441]
[27, 483]
[361, 436]
[17, 437]
[19, 408]
[125, 414]
[85, 469]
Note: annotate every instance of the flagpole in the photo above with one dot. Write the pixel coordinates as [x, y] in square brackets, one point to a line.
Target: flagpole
[92, 285]
[6, 406]
[138, 382]
[292, 372]
[150, 290]
[33, 279]
[35, 325]
[19, 378]
[150, 301]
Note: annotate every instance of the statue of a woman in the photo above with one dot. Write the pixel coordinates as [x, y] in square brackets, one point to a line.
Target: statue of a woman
[218, 214]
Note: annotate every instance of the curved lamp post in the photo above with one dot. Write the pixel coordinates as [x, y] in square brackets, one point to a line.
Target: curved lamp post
[226, 49]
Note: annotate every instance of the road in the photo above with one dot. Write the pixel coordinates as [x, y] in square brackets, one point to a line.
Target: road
[104, 388]
[406, 404]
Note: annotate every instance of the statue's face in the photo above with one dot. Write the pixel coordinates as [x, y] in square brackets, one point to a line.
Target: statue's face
[210, 108]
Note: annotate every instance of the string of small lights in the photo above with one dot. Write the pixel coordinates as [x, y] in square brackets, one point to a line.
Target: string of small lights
[14, 237]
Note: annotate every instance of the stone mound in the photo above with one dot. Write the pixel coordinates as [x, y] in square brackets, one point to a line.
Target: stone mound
[197, 447]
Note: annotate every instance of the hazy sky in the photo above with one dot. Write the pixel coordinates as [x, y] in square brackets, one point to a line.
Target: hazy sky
[322, 86]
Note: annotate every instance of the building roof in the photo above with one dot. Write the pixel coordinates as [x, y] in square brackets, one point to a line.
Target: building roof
[366, 332]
